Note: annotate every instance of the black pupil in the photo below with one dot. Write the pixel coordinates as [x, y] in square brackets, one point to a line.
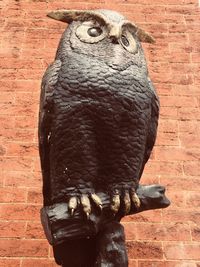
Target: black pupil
[125, 41]
[94, 31]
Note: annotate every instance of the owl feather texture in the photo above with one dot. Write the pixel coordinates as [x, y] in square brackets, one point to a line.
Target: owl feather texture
[98, 114]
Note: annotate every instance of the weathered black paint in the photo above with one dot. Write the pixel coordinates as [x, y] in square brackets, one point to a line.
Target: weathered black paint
[98, 123]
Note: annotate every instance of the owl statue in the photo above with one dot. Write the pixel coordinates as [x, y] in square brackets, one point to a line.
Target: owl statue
[97, 126]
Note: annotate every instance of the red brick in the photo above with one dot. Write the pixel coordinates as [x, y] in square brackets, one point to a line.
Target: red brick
[9, 262]
[182, 9]
[182, 251]
[177, 198]
[34, 230]
[51, 251]
[42, 5]
[165, 18]
[21, 64]
[22, 178]
[163, 88]
[46, 55]
[182, 183]
[167, 133]
[196, 79]
[26, 135]
[35, 196]
[147, 216]
[21, 149]
[166, 264]
[169, 126]
[130, 231]
[7, 97]
[176, 153]
[195, 57]
[181, 215]
[165, 232]
[180, 47]
[168, 139]
[37, 166]
[180, 37]
[177, 28]
[7, 122]
[2, 150]
[189, 140]
[163, 167]
[168, 113]
[28, 44]
[15, 163]
[10, 194]
[193, 200]
[181, 101]
[144, 250]
[38, 262]
[25, 122]
[190, 90]
[194, 39]
[195, 231]
[149, 179]
[1, 178]
[191, 126]
[189, 113]
[12, 229]
[19, 212]
[22, 248]
[132, 263]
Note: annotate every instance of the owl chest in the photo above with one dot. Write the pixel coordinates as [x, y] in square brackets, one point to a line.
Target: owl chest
[100, 87]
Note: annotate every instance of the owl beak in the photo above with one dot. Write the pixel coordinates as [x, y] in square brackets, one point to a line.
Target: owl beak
[114, 33]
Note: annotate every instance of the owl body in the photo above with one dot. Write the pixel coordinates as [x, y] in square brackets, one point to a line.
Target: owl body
[100, 115]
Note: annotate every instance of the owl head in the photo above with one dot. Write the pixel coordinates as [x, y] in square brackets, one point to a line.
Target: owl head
[103, 34]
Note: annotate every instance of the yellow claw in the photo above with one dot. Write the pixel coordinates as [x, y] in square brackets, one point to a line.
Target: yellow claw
[97, 201]
[86, 205]
[127, 203]
[73, 205]
[135, 199]
[115, 203]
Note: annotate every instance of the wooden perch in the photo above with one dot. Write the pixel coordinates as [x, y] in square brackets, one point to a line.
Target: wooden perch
[60, 226]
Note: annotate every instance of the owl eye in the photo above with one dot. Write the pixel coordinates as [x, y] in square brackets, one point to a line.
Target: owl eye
[94, 31]
[125, 40]
[90, 33]
[128, 42]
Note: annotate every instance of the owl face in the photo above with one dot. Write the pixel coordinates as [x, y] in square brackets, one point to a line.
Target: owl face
[114, 44]
[105, 35]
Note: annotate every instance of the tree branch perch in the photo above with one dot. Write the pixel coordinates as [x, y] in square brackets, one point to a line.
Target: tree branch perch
[60, 226]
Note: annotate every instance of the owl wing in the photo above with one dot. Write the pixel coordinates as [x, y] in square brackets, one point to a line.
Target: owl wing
[45, 115]
[152, 132]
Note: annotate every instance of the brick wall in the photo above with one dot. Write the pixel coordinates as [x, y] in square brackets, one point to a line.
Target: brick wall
[161, 238]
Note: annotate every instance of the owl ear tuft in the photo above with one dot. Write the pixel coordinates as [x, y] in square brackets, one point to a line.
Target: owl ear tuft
[69, 16]
[65, 15]
[144, 36]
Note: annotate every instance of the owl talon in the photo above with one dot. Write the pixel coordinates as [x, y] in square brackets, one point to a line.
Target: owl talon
[85, 202]
[96, 199]
[72, 205]
[135, 199]
[115, 203]
[127, 203]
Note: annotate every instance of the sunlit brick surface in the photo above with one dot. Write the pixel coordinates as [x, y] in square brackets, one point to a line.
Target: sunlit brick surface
[161, 238]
